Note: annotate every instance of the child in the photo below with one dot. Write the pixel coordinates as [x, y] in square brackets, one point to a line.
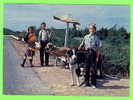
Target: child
[44, 38]
[91, 42]
[30, 39]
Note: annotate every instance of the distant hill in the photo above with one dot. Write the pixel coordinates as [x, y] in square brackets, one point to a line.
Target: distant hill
[8, 31]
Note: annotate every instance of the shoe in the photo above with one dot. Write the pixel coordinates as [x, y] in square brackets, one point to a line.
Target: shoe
[31, 65]
[46, 65]
[42, 65]
[87, 84]
[22, 65]
[93, 86]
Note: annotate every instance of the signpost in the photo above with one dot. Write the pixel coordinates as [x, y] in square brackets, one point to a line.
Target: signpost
[67, 21]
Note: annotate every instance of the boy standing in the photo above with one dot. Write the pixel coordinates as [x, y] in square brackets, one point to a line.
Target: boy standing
[43, 39]
[91, 42]
[30, 39]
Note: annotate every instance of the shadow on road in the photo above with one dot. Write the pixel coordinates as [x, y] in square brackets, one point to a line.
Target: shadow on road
[101, 83]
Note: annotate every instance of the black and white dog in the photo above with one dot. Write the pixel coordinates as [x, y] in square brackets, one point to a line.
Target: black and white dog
[76, 70]
[82, 63]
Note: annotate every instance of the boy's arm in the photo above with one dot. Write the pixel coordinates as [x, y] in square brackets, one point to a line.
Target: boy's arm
[99, 45]
[82, 44]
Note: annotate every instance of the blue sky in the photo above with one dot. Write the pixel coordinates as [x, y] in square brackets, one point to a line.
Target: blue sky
[20, 16]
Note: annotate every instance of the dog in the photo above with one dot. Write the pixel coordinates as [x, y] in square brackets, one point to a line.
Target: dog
[60, 53]
[76, 70]
[82, 63]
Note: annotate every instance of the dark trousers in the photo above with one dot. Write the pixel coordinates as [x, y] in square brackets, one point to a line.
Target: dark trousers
[90, 68]
[42, 52]
[90, 76]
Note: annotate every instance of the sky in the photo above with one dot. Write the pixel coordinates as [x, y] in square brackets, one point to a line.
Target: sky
[19, 16]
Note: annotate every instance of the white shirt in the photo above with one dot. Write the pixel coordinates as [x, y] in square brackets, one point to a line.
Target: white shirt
[43, 35]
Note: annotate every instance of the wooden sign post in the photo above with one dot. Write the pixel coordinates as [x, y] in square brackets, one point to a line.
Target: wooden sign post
[67, 21]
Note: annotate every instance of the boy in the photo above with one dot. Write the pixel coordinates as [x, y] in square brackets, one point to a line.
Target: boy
[43, 39]
[30, 39]
[91, 42]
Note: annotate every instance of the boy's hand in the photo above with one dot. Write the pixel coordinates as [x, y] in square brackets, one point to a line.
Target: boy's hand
[97, 59]
[79, 48]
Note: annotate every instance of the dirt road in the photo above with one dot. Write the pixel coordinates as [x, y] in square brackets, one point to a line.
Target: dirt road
[18, 80]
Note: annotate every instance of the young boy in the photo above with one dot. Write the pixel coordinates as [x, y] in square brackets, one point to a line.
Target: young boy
[43, 39]
[30, 39]
[92, 42]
